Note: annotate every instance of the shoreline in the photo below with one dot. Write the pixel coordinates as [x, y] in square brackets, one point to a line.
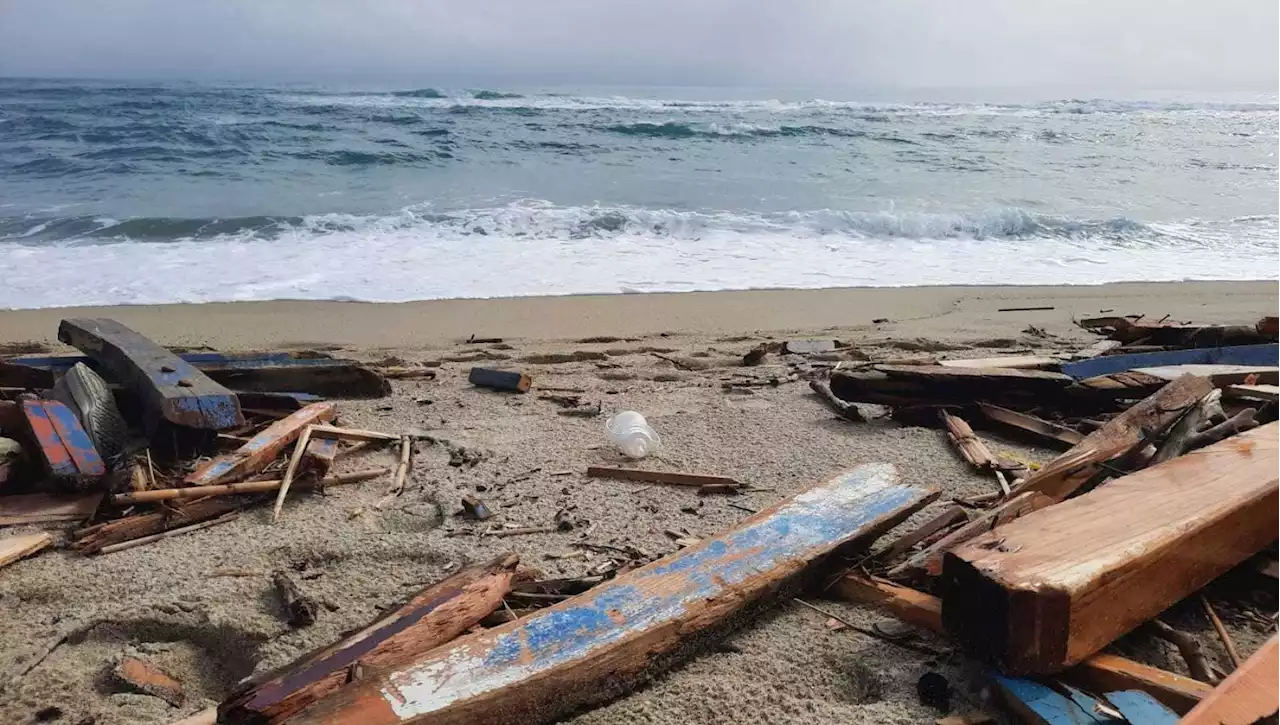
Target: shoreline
[939, 311]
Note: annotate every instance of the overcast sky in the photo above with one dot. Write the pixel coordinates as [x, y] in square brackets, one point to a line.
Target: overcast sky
[1112, 44]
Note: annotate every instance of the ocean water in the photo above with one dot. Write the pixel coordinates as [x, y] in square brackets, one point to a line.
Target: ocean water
[116, 193]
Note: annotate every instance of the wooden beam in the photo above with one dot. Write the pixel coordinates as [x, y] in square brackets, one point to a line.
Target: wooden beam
[431, 618]
[671, 477]
[351, 434]
[299, 449]
[170, 387]
[39, 508]
[13, 548]
[589, 648]
[1046, 591]
[1247, 696]
[262, 449]
[1100, 673]
[1031, 424]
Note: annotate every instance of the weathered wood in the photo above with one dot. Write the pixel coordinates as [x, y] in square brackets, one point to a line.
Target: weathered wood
[1267, 393]
[145, 678]
[848, 411]
[143, 540]
[234, 489]
[403, 467]
[1038, 704]
[207, 716]
[1046, 591]
[589, 648]
[1100, 673]
[429, 619]
[351, 434]
[1168, 332]
[13, 548]
[670, 477]
[92, 539]
[39, 508]
[1238, 355]
[971, 448]
[1188, 647]
[1247, 696]
[1175, 440]
[299, 449]
[262, 449]
[1008, 362]
[1227, 644]
[929, 561]
[1139, 708]
[499, 380]
[949, 517]
[321, 454]
[931, 385]
[1031, 424]
[300, 609]
[170, 386]
[1221, 375]
[64, 447]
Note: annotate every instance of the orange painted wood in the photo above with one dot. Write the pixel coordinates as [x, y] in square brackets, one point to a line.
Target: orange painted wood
[1044, 592]
[262, 449]
[431, 618]
[1247, 696]
[1100, 673]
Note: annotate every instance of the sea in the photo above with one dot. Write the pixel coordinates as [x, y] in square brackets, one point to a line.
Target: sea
[140, 193]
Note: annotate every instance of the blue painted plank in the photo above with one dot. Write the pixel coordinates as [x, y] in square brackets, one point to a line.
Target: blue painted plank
[66, 448]
[1139, 708]
[563, 657]
[1041, 704]
[1268, 354]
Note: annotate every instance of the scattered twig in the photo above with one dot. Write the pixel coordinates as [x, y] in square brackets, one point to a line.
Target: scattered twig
[1188, 647]
[848, 411]
[869, 632]
[1227, 644]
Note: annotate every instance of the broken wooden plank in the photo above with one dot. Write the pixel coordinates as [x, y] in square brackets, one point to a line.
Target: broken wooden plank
[1266, 393]
[1221, 375]
[1247, 696]
[848, 411]
[808, 347]
[1031, 424]
[971, 448]
[320, 455]
[170, 386]
[949, 517]
[65, 449]
[1100, 673]
[262, 449]
[92, 539]
[299, 449]
[235, 489]
[1239, 355]
[142, 677]
[933, 385]
[591, 647]
[1038, 704]
[39, 508]
[670, 477]
[500, 380]
[929, 561]
[1009, 362]
[13, 548]
[1140, 708]
[432, 617]
[143, 540]
[207, 716]
[1044, 592]
[351, 434]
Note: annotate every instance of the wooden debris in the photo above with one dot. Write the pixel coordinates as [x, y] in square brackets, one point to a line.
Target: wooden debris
[1100, 673]
[1031, 424]
[1009, 362]
[207, 716]
[848, 411]
[92, 539]
[949, 517]
[1188, 647]
[588, 648]
[13, 548]
[299, 449]
[320, 455]
[403, 467]
[169, 386]
[432, 617]
[807, 347]
[145, 678]
[352, 434]
[1241, 355]
[522, 530]
[299, 608]
[1175, 440]
[1037, 704]
[1044, 592]
[1266, 393]
[935, 385]
[65, 450]
[262, 449]
[404, 373]
[244, 487]
[1227, 644]
[712, 489]
[969, 718]
[1247, 697]
[500, 380]
[1140, 708]
[113, 548]
[971, 448]
[929, 561]
[40, 508]
[1221, 375]
[669, 477]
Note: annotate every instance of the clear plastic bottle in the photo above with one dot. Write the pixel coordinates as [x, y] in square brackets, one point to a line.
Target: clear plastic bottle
[632, 434]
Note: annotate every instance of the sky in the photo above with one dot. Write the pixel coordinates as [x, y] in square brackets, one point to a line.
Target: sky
[1116, 44]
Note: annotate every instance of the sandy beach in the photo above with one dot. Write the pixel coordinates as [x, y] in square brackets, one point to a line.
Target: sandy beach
[201, 606]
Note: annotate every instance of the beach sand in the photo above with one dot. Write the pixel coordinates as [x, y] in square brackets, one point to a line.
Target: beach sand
[202, 608]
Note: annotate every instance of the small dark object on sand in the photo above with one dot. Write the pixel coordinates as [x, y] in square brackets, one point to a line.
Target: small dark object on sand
[934, 691]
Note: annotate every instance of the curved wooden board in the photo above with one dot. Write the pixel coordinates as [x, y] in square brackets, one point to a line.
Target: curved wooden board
[583, 649]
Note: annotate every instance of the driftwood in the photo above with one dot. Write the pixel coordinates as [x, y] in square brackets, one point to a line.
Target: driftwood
[300, 608]
[1238, 423]
[1046, 591]
[113, 548]
[929, 561]
[40, 508]
[245, 487]
[1227, 644]
[591, 647]
[848, 411]
[1175, 441]
[430, 618]
[1044, 429]
[949, 517]
[669, 477]
[1188, 647]
[92, 539]
[971, 448]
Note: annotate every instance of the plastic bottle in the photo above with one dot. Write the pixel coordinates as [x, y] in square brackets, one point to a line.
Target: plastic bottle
[632, 434]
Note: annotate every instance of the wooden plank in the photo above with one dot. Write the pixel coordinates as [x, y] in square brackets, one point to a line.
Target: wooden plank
[1100, 673]
[931, 385]
[1139, 708]
[500, 380]
[170, 386]
[1237, 355]
[321, 454]
[65, 448]
[949, 516]
[1038, 704]
[1031, 424]
[235, 489]
[1268, 393]
[1009, 362]
[590, 647]
[432, 617]
[1037, 378]
[262, 449]
[294, 461]
[929, 561]
[40, 508]
[1044, 592]
[1247, 696]
[145, 678]
[1221, 375]
[13, 548]
[671, 477]
[351, 434]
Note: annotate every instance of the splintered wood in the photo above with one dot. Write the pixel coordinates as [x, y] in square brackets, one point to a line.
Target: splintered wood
[1046, 591]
